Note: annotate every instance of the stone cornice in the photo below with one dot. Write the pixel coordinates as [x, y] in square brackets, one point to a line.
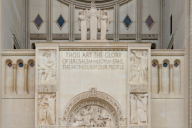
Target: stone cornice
[11, 52]
[165, 52]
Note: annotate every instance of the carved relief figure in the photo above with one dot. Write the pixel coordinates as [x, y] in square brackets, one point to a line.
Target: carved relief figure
[46, 67]
[93, 21]
[139, 67]
[47, 109]
[83, 23]
[138, 108]
[104, 24]
[92, 116]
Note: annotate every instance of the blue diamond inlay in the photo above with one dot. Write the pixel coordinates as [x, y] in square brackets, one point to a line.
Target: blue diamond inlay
[60, 21]
[127, 21]
[165, 65]
[20, 64]
[38, 21]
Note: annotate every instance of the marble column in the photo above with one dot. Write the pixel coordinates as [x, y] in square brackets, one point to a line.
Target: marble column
[71, 34]
[138, 20]
[14, 78]
[171, 78]
[116, 32]
[49, 19]
[160, 78]
[26, 78]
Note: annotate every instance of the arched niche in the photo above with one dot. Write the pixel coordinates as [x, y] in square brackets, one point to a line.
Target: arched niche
[155, 76]
[20, 77]
[177, 77]
[166, 77]
[8, 77]
[31, 76]
[96, 100]
[33, 46]
[101, 4]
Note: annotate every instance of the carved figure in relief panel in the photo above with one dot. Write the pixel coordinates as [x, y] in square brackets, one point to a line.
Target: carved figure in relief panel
[92, 116]
[47, 109]
[139, 67]
[138, 104]
[47, 67]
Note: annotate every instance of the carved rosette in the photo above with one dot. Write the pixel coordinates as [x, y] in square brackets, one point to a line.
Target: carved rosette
[93, 98]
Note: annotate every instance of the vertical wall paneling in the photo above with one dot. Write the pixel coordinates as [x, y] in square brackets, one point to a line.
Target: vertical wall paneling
[155, 77]
[165, 77]
[31, 77]
[20, 77]
[8, 77]
[177, 77]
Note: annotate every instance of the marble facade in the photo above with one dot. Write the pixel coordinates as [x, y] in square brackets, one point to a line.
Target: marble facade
[94, 84]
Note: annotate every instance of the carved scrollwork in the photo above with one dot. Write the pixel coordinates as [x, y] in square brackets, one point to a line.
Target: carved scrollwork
[47, 88]
[100, 99]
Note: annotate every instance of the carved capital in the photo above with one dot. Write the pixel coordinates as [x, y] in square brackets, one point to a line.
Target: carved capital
[160, 66]
[171, 66]
[25, 66]
[14, 66]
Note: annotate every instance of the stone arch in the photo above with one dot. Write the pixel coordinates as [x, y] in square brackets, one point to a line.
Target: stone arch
[93, 97]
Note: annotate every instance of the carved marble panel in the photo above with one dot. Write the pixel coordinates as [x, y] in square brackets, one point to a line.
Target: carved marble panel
[139, 67]
[139, 109]
[92, 116]
[47, 64]
[46, 109]
[96, 100]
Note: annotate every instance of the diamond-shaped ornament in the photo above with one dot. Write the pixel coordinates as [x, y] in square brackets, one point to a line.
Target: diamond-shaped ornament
[38, 21]
[149, 22]
[127, 22]
[60, 22]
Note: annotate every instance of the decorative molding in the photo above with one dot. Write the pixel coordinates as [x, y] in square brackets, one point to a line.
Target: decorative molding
[47, 88]
[149, 36]
[101, 4]
[48, 126]
[167, 54]
[60, 36]
[127, 36]
[138, 126]
[24, 24]
[38, 36]
[163, 23]
[190, 68]
[18, 54]
[138, 88]
[108, 36]
[98, 96]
